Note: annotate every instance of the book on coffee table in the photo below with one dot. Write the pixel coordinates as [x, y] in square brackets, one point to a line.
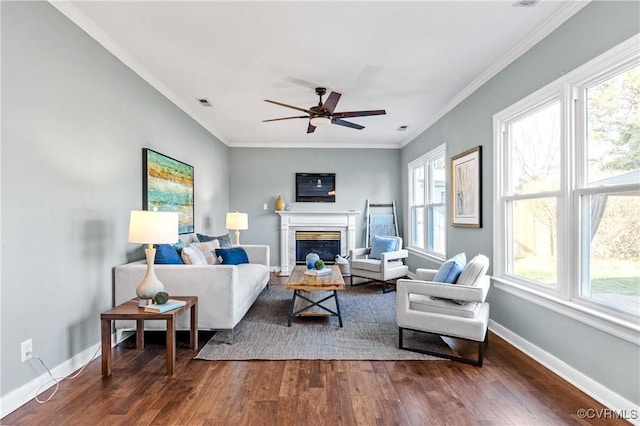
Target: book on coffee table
[170, 305]
[318, 272]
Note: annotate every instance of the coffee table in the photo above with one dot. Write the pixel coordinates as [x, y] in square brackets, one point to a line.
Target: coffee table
[130, 311]
[302, 286]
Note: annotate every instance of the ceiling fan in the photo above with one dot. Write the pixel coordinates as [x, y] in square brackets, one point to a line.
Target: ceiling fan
[324, 113]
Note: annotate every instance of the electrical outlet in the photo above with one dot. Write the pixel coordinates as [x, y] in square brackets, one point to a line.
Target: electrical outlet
[264, 206]
[26, 350]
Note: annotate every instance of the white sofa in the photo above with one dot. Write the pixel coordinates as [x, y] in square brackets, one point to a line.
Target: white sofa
[225, 292]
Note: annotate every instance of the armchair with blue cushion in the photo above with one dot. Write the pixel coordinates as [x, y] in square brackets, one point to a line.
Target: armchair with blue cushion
[449, 302]
[381, 262]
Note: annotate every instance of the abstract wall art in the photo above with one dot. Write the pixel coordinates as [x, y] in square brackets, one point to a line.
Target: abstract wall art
[167, 184]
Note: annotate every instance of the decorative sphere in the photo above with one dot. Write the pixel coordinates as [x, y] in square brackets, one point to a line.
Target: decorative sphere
[319, 264]
[161, 297]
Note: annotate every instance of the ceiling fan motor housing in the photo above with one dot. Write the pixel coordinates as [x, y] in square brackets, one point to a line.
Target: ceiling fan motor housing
[318, 111]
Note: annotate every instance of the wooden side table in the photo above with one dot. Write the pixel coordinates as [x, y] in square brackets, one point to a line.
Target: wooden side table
[130, 311]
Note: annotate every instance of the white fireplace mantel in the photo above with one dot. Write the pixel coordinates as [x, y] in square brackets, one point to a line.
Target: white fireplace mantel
[292, 221]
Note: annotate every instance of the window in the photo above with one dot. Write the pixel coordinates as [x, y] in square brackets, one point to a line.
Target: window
[567, 192]
[533, 189]
[608, 203]
[427, 200]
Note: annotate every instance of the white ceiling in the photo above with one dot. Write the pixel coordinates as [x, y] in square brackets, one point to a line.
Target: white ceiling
[415, 59]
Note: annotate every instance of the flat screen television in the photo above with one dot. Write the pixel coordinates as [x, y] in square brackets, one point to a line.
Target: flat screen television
[316, 187]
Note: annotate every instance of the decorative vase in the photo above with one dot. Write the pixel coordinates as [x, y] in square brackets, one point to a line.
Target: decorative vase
[150, 284]
[280, 203]
[311, 260]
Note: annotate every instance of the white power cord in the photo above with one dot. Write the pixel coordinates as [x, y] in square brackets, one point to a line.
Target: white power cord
[57, 380]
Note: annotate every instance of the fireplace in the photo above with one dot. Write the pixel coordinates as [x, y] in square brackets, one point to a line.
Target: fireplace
[325, 243]
[291, 222]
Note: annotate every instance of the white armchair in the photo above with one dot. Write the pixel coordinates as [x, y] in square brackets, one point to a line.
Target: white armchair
[451, 310]
[382, 266]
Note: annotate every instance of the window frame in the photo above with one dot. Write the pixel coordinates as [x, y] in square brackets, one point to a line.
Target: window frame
[425, 161]
[566, 298]
[510, 197]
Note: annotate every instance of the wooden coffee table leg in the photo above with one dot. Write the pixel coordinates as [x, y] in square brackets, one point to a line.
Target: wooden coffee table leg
[105, 329]
[139, 334]
[193, 336]
[171, 346]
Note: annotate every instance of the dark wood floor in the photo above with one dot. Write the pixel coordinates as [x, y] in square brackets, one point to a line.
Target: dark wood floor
[510, 389]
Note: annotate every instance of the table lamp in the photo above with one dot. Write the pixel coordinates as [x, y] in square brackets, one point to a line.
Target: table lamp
[237, 221]
[151, 227]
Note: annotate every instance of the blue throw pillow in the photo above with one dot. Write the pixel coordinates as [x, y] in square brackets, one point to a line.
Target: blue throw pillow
[451, 269]
[232, 256]
[166, 254]
[224, 240]
[382, 245]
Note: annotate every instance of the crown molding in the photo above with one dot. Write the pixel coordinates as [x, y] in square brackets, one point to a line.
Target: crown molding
[323, 145]
[538, 34]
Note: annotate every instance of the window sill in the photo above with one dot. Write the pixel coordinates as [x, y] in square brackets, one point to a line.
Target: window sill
[426, 256]
[627, 330]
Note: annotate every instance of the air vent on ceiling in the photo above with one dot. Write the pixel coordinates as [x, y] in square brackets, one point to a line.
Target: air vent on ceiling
[525, 3]
[204, 102]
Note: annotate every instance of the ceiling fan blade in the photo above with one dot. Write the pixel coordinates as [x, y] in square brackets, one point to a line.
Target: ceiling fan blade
[346, 123]
[288, 106]
[285, 118]
[311, 128]
[331, 102]
[358, 113]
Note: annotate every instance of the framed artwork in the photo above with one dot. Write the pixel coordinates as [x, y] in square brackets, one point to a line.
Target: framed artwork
[466, 188]
[167, 184]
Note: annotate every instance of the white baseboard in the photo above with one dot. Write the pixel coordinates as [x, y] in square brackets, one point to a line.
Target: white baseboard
[25, 393]
[604, 395]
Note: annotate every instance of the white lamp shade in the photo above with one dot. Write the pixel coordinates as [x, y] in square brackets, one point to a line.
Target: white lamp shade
[237, 221]
[149, 227]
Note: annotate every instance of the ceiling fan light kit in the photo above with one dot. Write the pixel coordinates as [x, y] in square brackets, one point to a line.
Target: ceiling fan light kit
[320, 121]
[324, 113]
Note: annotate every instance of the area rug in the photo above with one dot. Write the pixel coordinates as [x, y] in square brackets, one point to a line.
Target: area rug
[369, 330]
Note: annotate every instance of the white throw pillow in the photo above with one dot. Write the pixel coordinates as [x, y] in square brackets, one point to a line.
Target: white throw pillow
[475, 269]
[193, 256]
[208, 249]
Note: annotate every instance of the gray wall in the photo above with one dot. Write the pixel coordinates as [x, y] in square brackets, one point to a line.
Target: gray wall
[596, 28]
[74, 122]
[258, 176]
